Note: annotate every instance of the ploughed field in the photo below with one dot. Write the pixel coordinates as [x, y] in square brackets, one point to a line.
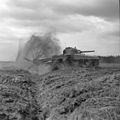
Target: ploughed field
[70, 94]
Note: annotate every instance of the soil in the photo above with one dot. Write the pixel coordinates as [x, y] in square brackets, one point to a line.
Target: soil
[69, 94]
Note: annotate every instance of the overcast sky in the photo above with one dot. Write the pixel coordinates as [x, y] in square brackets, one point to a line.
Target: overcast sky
[86, 24]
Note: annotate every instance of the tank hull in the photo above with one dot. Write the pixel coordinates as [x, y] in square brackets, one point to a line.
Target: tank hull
[74, 60]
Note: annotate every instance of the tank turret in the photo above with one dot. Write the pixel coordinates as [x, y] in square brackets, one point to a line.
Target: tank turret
[72, 51]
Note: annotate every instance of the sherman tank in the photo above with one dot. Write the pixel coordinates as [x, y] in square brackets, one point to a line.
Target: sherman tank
[70, 57]
[74, 57]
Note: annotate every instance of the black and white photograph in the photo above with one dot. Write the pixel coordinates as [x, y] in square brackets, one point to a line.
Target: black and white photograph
[59, 60]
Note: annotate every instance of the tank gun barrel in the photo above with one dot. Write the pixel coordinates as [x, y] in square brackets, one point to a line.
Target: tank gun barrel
[86, 51]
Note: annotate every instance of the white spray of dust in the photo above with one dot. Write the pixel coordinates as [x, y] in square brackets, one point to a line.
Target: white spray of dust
[40, 47]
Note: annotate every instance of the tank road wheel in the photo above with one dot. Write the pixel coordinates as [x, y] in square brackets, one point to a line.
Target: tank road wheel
[81, 63]
[76, 63]
[58, 64]
[88, 63]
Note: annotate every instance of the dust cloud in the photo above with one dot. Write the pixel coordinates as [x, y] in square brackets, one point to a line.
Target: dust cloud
[38, 47]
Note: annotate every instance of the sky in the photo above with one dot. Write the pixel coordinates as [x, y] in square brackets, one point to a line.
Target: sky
[86, 24]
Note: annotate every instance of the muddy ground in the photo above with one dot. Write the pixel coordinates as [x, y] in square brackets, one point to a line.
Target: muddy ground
[69, 94]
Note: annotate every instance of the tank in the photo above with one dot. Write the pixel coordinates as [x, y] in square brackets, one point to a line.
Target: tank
[74, 57]
[71, 57]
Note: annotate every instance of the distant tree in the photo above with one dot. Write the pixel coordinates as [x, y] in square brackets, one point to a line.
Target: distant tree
[110, 59]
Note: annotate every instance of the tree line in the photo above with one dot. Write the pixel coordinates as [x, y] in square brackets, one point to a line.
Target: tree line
[110, 59]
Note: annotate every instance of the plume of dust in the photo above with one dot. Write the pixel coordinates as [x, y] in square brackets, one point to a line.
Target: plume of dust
[39, 47]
